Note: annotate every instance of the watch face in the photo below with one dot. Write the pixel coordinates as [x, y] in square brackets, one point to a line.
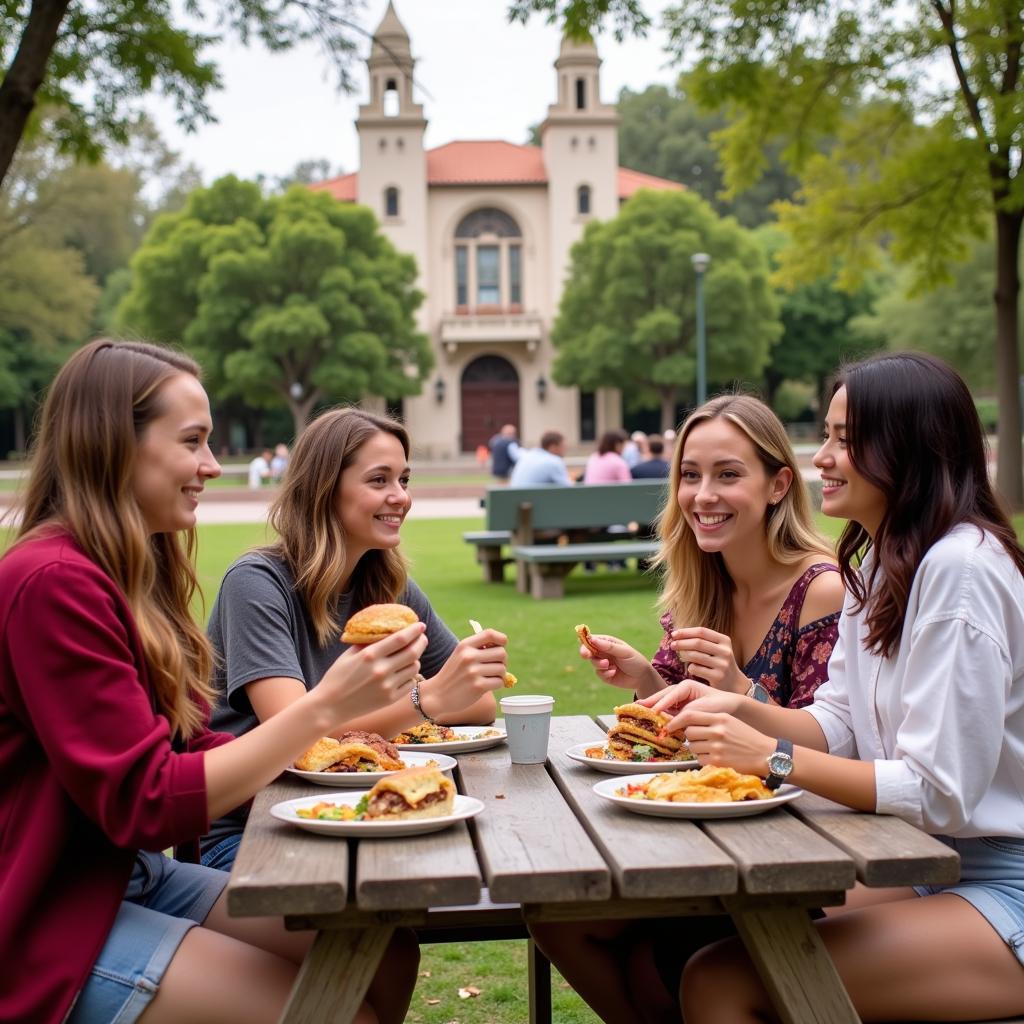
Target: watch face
[780, 763]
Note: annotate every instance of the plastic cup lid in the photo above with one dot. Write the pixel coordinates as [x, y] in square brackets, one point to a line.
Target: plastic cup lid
[524, 704]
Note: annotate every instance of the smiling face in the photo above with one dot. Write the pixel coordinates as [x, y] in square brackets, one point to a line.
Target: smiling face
[724, 488]
[845, 494]
[372, 498]
[173, 459]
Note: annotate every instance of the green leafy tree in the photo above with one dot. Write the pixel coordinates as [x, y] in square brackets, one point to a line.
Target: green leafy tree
[665, 133]
[926, 168]
[292, 300]
[627, 317]
[124, 49]
[822, 327]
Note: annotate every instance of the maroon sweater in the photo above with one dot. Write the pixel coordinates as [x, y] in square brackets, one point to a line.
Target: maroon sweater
[88, 775]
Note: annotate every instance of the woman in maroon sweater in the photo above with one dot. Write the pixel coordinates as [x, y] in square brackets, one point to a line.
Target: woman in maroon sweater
[105, 759]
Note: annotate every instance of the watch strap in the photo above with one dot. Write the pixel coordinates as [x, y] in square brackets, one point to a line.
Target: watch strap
[785, 748]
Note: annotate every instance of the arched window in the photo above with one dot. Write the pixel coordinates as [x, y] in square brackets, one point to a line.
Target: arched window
[583, 200]
[581, 94]
[391, 202]
[392, 103]
[488, 263]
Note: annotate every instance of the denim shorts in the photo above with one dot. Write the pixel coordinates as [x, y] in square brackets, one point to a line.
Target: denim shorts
[992, 881]
[164, 899]
[222, 854]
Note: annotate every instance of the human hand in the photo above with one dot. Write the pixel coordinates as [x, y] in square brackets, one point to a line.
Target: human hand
[715, 737]
[709, 657]
[618, 664]
[476, 666]
[673, 699]
[368, 677]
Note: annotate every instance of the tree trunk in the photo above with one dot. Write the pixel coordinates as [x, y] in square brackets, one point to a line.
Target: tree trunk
[301, 410]
[20, 440]
[1008, 464]
[23, 78]
[668, 408]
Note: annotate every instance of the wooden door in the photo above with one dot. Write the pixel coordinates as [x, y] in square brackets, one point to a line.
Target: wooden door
[489, 398]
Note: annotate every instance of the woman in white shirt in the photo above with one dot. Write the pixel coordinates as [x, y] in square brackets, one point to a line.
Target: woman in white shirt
[922, 716]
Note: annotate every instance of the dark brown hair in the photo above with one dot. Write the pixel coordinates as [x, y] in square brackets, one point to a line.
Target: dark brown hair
[913, 432]
[610, 441]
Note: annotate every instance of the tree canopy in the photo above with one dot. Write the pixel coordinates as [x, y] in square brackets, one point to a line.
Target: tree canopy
[924, 103]
[293, 300]
[628, 312]
[123, 50]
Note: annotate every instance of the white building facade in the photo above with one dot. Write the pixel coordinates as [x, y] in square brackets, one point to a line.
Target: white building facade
[490, 225]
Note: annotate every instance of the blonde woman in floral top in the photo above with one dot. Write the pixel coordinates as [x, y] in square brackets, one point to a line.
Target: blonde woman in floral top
[750, 599]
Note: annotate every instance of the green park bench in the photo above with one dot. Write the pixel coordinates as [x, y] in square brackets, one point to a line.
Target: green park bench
[521, 517]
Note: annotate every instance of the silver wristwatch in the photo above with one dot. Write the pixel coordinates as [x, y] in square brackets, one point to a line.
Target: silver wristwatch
[414, 696]
[780, 764]
[758, 693]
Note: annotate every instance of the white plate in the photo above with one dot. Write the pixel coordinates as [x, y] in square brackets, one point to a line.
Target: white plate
[475, 742]
[667, 809]
[617, 767]
[360, 780]
[465, 807]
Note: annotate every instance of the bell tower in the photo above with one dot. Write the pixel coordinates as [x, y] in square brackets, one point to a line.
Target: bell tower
[392, 161]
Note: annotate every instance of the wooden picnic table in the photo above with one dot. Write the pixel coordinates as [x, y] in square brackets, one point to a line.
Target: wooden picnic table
[547, 842]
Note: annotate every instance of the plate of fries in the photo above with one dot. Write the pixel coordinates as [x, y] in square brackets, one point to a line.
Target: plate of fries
[711, 792]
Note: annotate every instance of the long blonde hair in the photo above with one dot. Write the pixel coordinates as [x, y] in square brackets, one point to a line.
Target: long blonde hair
[697, 587]
[82, 467]
[310, 536]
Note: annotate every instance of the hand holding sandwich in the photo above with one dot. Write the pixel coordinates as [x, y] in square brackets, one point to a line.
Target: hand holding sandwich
[618, 664]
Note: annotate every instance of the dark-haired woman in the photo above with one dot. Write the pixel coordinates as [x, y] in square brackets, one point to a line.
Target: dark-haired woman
[105, 758]
[281, 610]
[922, 715]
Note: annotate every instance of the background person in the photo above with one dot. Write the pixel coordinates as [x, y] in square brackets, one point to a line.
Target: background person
[277, 621]
[542, 465]
[751, 600]
[105, 759]
[655, 467]
[504, 449]
[922, 715]
[279, 463]
[259, 469]
[606, 465]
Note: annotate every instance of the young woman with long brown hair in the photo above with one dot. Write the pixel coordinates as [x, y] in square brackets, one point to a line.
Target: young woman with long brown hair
[278, 619]
[922, 715]
[105, 759]
[750, 601]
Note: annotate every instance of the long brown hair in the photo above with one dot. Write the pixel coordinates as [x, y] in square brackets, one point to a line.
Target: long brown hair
[697, 588]
[913, 431]
[310, 536]
[82, 467]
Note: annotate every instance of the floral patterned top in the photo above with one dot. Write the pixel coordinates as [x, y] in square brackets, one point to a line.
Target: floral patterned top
[792, 661]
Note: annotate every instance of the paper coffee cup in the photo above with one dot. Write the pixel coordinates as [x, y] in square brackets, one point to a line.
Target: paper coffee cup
[527, 724]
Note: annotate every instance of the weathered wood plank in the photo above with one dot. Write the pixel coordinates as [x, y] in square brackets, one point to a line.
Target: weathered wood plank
[886, 850]
[282, 870]
[775, 852]
[649, 857]
[531, 847]
[437, 870]
[794, 965]
[335, 975]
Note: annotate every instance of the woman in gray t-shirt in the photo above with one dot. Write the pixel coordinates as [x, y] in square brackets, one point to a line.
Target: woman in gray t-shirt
[281, 610]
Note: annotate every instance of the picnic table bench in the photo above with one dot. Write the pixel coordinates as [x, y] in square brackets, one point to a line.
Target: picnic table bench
[581, 523]
[547, 843]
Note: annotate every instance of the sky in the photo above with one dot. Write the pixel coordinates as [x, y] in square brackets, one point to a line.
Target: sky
[486, 79]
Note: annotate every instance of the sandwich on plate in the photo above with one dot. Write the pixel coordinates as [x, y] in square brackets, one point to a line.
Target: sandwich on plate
[415, 793]
[639, 735]
[355, 751]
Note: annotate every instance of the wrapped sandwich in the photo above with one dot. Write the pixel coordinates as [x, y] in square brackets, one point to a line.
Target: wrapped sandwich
[415, 793]
[355, 751]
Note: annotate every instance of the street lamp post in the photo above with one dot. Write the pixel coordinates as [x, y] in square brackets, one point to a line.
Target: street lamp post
[700, 261]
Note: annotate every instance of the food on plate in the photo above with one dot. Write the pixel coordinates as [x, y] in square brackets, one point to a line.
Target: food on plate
[415, 793]
[585, 638]
[325, 811]
[355, 751]
[433, 732]
[639, 735]
[710, 784]
[376, 621]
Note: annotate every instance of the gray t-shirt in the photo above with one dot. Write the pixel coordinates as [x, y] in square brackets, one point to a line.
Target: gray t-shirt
[260, 627]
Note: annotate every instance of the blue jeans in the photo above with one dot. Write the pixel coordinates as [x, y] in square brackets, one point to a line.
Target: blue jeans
[222, 855]
[164, 899]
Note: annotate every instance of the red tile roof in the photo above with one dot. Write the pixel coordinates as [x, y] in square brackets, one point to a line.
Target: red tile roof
[492, 163]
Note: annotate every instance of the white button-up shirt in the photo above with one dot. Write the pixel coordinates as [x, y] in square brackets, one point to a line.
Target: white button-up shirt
[943, 718]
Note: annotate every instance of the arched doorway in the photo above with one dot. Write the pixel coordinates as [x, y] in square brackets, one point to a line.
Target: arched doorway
[490, 399]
